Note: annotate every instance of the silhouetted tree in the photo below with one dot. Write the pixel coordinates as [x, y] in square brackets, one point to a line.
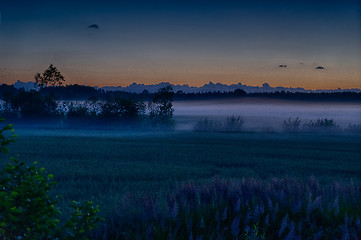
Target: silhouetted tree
[239, 92]
[50, 76]
[33, 104]
[161, 108]
[121, 108]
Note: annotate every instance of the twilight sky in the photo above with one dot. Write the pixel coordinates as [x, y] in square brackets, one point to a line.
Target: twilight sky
[184, 41]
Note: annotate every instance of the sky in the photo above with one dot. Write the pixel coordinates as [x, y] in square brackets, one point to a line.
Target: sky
[292, 43]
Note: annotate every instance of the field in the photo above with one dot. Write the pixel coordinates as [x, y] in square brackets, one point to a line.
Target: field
[105, 166]
[107, 162]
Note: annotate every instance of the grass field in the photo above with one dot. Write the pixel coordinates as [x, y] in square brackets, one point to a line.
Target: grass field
[108, 166]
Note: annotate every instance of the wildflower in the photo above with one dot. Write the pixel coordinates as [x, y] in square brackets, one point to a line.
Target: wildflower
[291, 233]
[191, 236]
[318, 234]
[202, 225]
[238, 205]
[284, 225]
[235, 227]
[266, 220]
[224, 216]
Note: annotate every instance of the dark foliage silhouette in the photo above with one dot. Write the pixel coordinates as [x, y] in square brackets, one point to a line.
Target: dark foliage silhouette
[32, 104]
[291, 125]
[29, 211]
[161, 107]
[50, 77]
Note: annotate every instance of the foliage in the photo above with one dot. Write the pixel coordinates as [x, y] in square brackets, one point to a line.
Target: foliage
[291, 125]
[77, 92]
[32, 104]
[249, 209]
[161, 108]
[78, 111]
[121, 109]
[83, 220]
[28, 211]
[51, 76]
[234, 123]
[4, 137]
[321, 125]
[230, 124]
[207, 125]
[82, 111]
[127, 172]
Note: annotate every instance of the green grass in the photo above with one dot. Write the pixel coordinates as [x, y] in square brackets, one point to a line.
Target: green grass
[104, 165]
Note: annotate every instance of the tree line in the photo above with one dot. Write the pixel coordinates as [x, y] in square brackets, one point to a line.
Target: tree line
[47, 102]
[78, 92]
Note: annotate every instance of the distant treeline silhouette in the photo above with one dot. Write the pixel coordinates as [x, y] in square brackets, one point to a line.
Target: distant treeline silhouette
[66, 104]
[78, 92]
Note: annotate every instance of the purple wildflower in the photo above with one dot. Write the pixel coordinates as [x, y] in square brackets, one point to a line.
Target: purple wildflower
[284, 225]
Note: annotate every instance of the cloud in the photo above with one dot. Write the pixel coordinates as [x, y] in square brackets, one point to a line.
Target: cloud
[93, 26]
[319, 68]
[282, 66]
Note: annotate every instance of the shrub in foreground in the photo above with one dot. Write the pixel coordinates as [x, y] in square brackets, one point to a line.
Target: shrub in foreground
[28, 211]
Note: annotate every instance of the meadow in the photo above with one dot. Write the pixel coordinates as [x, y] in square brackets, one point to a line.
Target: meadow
[124, 171]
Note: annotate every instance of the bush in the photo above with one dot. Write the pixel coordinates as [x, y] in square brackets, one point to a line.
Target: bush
[231, 124]
[28, 211]
[32, 104]
[291, 125]
[321, 125]
[161, 108]
[121, 109]
[80, 111]
[206, 125]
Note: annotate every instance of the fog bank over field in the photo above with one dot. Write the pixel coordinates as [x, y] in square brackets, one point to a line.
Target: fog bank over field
[264, 113]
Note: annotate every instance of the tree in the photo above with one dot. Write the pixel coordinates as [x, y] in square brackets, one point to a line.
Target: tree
[33, 104]
[122, 109]
[239, 92]
[50, 76]
[27, 208]
[161, 108]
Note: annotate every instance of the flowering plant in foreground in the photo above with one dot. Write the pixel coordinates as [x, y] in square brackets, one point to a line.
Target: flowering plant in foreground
[249, 209]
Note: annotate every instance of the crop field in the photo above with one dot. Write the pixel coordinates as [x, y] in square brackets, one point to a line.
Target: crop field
[87, 161]
[106, 166]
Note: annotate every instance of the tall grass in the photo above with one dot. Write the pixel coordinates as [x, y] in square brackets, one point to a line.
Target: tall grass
[230, 124]
[321, 125]
[242, 209]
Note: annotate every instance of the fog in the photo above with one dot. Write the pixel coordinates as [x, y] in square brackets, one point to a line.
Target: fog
[261, 114]
[257, 114]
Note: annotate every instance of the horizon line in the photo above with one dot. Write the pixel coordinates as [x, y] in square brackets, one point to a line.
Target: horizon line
[209, 83]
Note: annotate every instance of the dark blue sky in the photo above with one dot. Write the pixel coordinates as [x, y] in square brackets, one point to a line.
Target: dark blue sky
[190, 42]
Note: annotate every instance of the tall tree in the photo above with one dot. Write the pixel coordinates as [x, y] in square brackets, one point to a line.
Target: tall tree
[50, 77]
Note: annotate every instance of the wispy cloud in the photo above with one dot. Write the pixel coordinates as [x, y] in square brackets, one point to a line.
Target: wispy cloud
[93, 26]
